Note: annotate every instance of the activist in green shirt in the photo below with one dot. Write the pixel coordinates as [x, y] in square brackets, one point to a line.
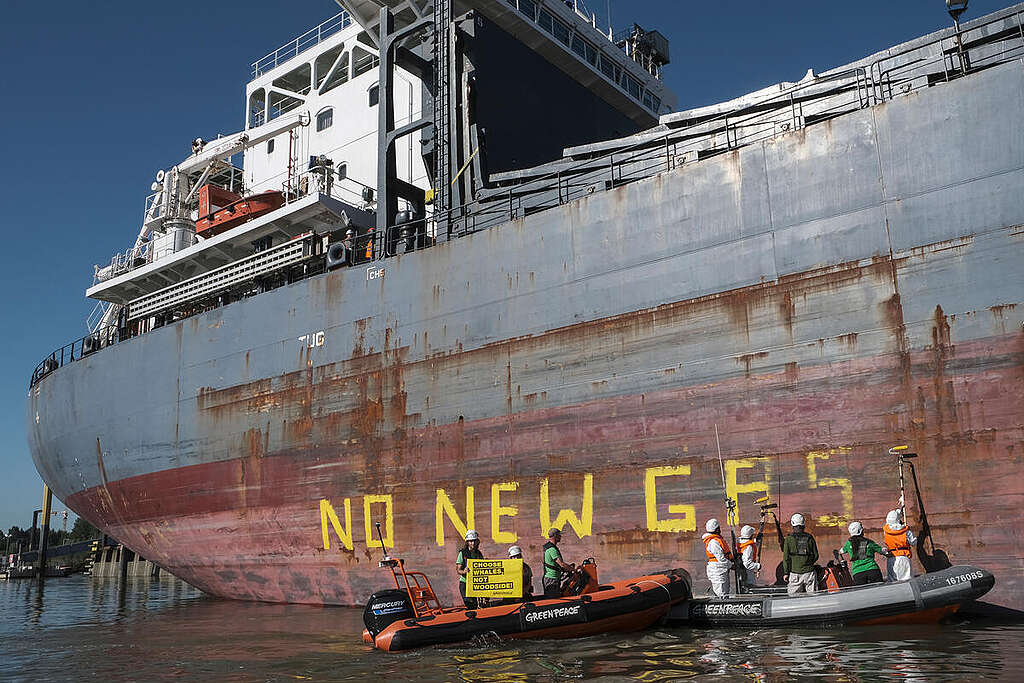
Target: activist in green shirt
[554, 566]
[861, 552]
[799, 553]
[470, 551]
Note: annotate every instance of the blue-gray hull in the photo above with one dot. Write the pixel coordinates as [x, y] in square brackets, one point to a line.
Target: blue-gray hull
[817, 297]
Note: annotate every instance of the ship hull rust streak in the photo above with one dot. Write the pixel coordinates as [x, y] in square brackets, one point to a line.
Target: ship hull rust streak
[820, 296]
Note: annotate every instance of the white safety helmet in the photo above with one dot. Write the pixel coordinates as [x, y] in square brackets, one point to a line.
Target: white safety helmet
[856, 528]
[893, 519]
[797, 520]
[711, 525]
[515, 550]
[472, 535]
[747, 532]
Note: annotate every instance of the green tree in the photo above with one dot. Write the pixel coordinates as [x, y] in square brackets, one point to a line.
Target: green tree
[83, 531]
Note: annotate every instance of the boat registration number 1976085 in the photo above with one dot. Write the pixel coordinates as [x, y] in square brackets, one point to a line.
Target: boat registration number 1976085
[961, 578]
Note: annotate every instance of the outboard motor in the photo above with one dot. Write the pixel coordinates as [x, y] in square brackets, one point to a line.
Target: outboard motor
[835, 575]
[583, 580]
[385, 608]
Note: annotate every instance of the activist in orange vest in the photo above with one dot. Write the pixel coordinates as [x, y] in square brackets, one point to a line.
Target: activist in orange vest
[719, 558]
[898, 539]
[749, 556]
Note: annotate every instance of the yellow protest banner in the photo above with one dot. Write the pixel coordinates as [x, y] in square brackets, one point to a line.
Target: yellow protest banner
[494, 578]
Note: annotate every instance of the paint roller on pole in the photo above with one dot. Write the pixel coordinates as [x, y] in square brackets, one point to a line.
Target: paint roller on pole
[901, 452]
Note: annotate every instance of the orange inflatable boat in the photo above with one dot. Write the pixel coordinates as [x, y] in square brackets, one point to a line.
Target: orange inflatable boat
[410, 616]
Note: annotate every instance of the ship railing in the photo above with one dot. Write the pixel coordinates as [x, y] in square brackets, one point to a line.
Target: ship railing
[975, 48]
[122, 262]
[299, 44]
[817, 99]
[153, 208]
[981, 46]
[76, 350]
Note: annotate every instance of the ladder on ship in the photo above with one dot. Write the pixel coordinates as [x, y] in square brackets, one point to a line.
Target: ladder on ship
[442, 109]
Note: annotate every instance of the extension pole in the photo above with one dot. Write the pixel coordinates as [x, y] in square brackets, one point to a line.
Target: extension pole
[730, 508]
[901, 453]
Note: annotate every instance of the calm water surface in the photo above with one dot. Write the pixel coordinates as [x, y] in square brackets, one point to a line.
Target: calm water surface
[78, 628]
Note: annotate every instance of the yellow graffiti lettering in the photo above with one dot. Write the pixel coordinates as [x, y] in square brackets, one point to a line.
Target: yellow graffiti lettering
[581, 524]
[498, 511]
[389, 521]
[842, 483]
[688, 520]
[344, 534]
[443, 506]
[733, 488]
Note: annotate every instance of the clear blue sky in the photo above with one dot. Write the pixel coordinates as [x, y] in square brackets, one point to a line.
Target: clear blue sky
[97, 96]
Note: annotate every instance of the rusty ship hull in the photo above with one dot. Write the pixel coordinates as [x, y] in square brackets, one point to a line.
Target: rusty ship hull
[818, 297]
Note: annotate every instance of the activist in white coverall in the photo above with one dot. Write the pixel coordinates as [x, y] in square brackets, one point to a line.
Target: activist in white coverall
[719, 558]
[748, 555]
[899, 539]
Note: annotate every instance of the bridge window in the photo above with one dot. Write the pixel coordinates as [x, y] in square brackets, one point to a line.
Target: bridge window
[528, 8]
[323, 63]
[363, 61]
[632, 86]
[544, 19]
[579, 46]
[296, 80]
[281, 103]
[257, 108]
[325, 119]
[270, 146]
[339, 76]
[374, 95]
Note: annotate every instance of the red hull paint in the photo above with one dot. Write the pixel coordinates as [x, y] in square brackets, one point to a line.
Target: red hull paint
[250, 527]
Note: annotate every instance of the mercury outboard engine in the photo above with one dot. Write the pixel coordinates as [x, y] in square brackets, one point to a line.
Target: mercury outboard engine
[385, 608]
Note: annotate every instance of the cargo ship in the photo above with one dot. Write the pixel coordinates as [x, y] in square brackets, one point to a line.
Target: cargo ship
[477, 271]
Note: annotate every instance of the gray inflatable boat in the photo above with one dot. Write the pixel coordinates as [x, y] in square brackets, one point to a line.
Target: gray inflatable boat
[925, 598]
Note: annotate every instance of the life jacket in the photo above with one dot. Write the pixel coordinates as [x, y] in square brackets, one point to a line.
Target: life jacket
[803, 543]
[369, 246]
[467, 554]
[707, 543]
[548, 565]
[896, 541]
[746, 544]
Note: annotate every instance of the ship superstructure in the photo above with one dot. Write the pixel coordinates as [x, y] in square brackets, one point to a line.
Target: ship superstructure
[441, 317]
[311, 140]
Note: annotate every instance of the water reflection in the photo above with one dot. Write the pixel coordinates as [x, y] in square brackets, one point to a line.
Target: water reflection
[162, 628]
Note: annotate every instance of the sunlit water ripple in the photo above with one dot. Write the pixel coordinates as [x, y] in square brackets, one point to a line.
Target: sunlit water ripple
[163, 629]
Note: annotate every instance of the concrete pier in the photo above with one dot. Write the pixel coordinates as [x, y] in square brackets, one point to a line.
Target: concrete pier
[114, 561]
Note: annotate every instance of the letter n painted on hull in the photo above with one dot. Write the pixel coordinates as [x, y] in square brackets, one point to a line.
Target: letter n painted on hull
[443, 506]
[344, 534]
